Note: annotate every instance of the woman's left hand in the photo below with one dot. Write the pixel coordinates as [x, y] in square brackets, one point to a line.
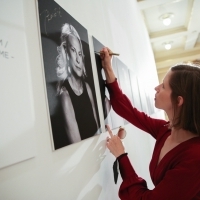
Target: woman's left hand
[114, 144]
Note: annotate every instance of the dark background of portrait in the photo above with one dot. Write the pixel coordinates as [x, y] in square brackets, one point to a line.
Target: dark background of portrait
[52, 17]
[113, 119]
[97, 47]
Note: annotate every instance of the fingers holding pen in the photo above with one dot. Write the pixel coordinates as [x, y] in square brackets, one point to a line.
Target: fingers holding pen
[105, 52]
[106, 63]
[102, 54]
[109, 51]
[106, 59]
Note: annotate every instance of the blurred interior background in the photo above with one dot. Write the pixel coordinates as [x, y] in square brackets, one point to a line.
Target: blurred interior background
[174, 31]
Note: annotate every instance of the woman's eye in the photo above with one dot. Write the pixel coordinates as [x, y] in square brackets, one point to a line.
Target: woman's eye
[80, 54]
[72, 49]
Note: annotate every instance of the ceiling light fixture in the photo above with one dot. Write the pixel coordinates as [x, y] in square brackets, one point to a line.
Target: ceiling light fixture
[166, 18]
[167, 45]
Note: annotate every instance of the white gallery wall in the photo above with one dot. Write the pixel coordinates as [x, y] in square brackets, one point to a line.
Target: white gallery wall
[82, 171]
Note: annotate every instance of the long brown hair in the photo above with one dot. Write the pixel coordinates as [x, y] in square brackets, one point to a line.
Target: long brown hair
[185, 82]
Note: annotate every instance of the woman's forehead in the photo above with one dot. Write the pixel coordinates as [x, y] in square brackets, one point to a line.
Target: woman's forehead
[167, 77]
[73, 40]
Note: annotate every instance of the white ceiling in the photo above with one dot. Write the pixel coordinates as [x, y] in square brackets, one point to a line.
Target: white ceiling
[183, 32]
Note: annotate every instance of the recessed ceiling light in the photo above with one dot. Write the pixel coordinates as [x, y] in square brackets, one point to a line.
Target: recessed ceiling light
[167, 45]
[167, 21]
[166, 18]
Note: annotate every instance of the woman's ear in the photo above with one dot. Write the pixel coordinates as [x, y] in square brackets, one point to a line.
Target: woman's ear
[180, 100]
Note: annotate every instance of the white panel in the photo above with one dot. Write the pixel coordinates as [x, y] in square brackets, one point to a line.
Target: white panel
[17, 110]
[191, 40]
[193, 25]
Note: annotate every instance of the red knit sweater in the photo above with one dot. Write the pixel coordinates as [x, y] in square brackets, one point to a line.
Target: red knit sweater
[176, 177]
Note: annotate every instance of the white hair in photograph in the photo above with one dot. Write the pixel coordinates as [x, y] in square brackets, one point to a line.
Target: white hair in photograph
[63, 69]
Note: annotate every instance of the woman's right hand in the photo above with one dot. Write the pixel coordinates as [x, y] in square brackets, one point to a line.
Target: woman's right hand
[106, 64]
[106, 58]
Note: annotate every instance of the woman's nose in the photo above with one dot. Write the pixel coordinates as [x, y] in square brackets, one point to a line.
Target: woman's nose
[77, 58]
[156, 88]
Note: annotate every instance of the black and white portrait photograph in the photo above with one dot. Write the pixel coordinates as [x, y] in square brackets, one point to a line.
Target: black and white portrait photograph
[68, 74]
[110, 116]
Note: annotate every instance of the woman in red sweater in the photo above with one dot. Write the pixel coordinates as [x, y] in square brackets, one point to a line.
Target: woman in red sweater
[175, 164]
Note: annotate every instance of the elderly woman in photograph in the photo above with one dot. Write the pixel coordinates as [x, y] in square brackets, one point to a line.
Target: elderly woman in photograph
[80, 117]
